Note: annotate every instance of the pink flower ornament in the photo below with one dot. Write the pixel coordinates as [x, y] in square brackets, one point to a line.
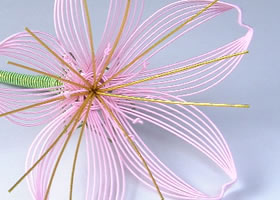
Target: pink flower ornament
[107, 91]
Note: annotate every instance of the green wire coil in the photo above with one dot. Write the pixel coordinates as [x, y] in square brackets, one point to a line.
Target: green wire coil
[28, 81]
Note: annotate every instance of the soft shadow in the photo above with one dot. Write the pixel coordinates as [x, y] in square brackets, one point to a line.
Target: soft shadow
[248, 186]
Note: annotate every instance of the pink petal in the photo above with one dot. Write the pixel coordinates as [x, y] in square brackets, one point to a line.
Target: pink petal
[114, 20]
[23, 49]
[197, 80]
[39, 177]
[11, 99]
[72, 30]
[194, 128]
[27, 51]
[160, 24]
[195, 123]
[106, 178]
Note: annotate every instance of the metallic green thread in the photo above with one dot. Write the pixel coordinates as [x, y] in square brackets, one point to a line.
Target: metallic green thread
[28, 81]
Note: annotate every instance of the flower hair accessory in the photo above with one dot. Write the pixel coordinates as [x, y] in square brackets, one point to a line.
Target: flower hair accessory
[106, 92]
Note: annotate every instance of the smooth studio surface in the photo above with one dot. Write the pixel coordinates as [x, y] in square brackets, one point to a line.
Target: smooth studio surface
[253, 134]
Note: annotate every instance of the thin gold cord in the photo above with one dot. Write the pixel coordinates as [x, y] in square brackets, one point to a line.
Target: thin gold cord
[41, 103]
[81, 109]
[91, 40]
[44, 154]
[173, 71]
[116, 42]
[32, 106]
[47, 74]
[57, 56]
[174, 102]
[132, 144]
[78, 147]
[158, 43]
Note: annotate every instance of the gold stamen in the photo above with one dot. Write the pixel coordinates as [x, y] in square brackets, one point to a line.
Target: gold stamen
[116, 42]
[57, 56]
[81, 109]
[47, 74]
[159, 42]
[174, 71]
[131, 143]
[174, 102]
[42, 103]
[91, 40]
[78, 147]
[46, 152]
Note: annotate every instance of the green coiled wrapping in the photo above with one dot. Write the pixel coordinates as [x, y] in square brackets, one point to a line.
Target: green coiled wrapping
[28, 81]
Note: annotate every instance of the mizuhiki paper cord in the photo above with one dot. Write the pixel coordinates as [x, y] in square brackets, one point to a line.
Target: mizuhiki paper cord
[28, 81]
[160, 41]
[17, 79]
[47, 74]
[91, 40]
[106, 92]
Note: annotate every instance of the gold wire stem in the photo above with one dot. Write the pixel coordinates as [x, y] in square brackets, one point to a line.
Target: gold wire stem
[45, 153]
[158, 43]
[174, 102]
[41, 103]
[173, 71]
[57, 56]
[78, 147]
[32, 106]
[81, 109]
[132, 144]
[116, 42]
[91, 40]
[47, 74]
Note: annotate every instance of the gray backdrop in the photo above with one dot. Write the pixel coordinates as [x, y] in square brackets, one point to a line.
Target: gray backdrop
[252, 134]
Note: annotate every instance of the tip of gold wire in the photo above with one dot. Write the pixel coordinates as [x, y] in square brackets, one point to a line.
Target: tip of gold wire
[11, 63]
[243, 106]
